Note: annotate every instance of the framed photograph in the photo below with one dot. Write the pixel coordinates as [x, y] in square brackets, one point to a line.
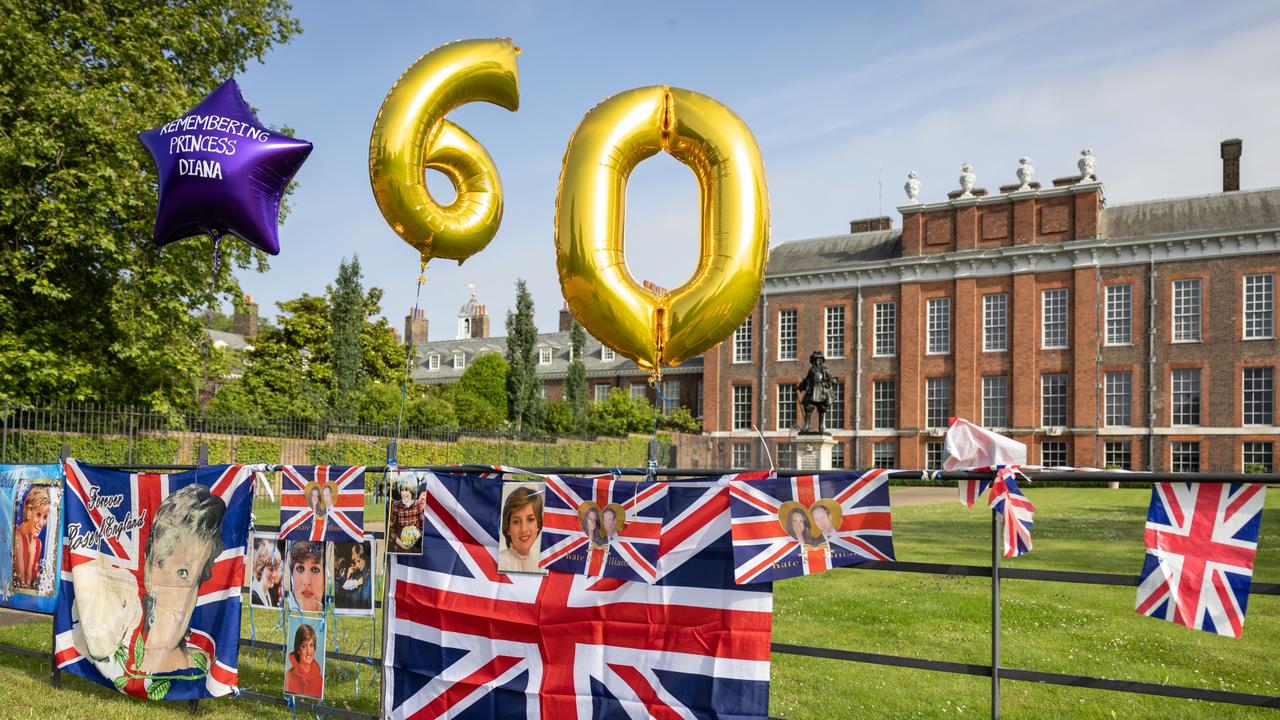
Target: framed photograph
[354, 571]
[304, 658]
[265, 570]
[520, 528]
[406, 507]
[306, 574]
[36, 509]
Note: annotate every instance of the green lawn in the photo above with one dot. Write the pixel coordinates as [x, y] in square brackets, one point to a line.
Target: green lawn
[1056, 627]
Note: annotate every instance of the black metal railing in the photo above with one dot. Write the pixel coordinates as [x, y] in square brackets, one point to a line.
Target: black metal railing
[994, 669]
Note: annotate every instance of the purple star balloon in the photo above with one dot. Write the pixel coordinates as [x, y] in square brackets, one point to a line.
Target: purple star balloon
[222, 172]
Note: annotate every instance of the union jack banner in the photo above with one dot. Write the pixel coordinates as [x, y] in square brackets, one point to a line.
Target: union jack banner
[322, 502]
[603, 527]
[151, 575]
[787, 527]
[467, 641]
[1201, 540]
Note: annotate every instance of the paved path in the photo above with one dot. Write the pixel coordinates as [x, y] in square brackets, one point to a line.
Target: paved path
[903, 496]
[17, 617]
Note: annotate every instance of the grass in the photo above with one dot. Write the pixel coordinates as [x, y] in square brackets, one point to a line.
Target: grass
[1054, 627]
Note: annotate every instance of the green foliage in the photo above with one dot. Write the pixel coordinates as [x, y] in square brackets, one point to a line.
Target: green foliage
[431, 412]
[522, 376]
[89, 308]
[558, 418]
[680, 420]
[347, 313]
[620, 414]
[294, 370]
[44, 447]
[486, 378]
[474, 412]
[575, 382]
[380, 404]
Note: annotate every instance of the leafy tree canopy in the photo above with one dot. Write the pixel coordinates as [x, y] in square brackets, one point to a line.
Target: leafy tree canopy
[89, 309]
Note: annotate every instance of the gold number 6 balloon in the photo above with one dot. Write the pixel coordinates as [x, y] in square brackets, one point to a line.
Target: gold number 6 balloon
[655, 327]
[411, 134]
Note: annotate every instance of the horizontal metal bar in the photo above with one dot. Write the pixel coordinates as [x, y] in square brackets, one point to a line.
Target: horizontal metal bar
[1084, 681]
[28, 652]
[318, 708]
[941, 476]
[1086, 578]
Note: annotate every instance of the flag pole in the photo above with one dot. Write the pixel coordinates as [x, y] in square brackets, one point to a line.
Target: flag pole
[995, 615]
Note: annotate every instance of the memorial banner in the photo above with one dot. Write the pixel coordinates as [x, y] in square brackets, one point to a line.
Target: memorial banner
[30, 536]
[151, 588]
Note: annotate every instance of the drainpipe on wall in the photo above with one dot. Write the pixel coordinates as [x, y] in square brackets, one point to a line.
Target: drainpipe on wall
[857, 386]
[764, 354]
[1151, 359]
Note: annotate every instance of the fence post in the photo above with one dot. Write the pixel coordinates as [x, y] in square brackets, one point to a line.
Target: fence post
[4, 437]
[995, 615]
[202, 454]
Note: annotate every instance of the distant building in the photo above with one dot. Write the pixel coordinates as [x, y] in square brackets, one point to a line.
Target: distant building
[441, 362]
[1138, 335]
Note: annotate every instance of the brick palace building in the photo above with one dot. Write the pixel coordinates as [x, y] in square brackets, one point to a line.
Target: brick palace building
[1138, 335]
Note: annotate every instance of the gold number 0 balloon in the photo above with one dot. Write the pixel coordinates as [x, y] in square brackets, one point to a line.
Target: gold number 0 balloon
[656, 328]
[411, 134]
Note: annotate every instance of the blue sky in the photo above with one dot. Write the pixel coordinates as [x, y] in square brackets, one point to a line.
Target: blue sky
[844, 98]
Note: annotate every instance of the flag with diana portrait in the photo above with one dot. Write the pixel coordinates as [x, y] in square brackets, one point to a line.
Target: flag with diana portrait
[151, 580]
[322, 502]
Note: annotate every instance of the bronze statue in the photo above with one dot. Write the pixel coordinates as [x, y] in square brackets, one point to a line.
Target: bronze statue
[816, 386]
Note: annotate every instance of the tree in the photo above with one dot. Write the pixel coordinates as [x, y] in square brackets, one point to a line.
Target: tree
[620, 414]
[89, 309]
[558, 418]
[575, 382]
[347, 310]
[431, 412]
[680, 420]
[486, 378]
[522, 376]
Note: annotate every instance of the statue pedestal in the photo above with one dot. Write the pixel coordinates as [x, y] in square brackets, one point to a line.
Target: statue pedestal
[813, 452]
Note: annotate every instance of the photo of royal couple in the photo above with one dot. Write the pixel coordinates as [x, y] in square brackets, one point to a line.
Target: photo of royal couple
[601, 525]
[812, 526]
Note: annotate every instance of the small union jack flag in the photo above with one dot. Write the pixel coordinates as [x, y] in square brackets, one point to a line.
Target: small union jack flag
[322, 502]
[788, 527]
[1007, 499]
[603, 527]
[1201, 540]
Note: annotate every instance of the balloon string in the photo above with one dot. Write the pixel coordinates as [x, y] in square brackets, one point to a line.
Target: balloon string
[658, 401]
[394, 452]
[208, 341]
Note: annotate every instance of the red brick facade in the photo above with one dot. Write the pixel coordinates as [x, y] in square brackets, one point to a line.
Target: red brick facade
[1020, 244]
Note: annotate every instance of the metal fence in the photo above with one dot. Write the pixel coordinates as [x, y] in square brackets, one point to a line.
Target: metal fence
[994, 669]
[125, 435]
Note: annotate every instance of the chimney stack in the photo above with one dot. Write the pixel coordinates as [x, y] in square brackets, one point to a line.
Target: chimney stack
[480, 323]
[1231, 150]
[884, 222]
[566, 318]
[415, 326]
[244, 319]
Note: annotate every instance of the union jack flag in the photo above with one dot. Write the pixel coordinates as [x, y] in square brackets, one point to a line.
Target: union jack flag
[322, 502]
[1007, 499]
[1201, 539]
[107, 621]
[467, 641]
[633, 510]
[808, 524]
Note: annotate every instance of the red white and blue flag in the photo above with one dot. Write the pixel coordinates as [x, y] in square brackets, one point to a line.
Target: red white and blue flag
[1007, 499]
[465, 641]
[624, 519]
[787, 527]
[322, 502]
[1201, 541]
[126, 617]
